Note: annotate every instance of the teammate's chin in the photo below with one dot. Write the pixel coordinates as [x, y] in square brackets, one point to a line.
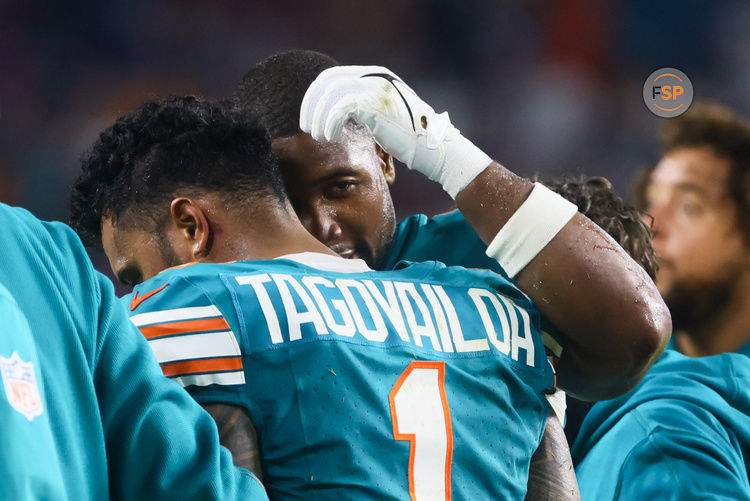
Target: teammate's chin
[356, 252]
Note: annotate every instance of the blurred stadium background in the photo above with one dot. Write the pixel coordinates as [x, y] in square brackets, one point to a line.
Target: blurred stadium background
[543, 86]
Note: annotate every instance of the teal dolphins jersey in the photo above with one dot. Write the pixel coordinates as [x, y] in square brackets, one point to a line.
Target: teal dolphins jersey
[683, 433]
[450, 239]
[447, 238]
[85, 412]
[425, 381]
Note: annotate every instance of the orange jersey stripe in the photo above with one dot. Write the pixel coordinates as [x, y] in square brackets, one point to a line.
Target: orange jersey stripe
[185, 327]
[197, 366]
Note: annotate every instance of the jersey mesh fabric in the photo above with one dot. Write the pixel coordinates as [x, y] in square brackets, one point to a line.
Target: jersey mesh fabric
[320, 402]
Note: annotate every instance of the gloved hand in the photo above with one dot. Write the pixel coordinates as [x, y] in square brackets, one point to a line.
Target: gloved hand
[403, 124]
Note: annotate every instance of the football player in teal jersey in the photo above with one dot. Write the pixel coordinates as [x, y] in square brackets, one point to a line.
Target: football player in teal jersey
[340, 190]
[338, 368]
[165, 207]
[698, 197]
[85, 412]
[683, 433]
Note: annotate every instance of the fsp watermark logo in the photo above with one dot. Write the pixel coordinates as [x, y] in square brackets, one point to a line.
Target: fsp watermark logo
[668, 92]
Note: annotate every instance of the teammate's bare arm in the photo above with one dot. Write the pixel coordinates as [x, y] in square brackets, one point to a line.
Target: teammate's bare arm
[609, 310]
[237, 433]
[551, 474]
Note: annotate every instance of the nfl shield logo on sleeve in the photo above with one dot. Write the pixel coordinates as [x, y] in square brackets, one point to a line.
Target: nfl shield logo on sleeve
[19, 383]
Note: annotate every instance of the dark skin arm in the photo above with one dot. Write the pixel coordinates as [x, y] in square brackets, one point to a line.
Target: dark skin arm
[551, 473]
[237, 433]
[613, 319]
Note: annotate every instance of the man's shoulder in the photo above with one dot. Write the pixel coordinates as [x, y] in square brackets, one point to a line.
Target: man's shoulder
[50, 241]
[420, 225]
[705, 395]
[448, 238]
[192, 326]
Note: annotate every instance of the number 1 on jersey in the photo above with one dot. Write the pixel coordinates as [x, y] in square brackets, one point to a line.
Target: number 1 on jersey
[420, 414]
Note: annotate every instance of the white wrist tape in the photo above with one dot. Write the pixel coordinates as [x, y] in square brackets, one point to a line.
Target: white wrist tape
[530, 229]
[463, 162]
[559, 404]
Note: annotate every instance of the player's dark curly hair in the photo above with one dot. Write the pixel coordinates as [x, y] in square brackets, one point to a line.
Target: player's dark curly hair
[726, 134]
[273, 89]
[185, 144]
[597, 200]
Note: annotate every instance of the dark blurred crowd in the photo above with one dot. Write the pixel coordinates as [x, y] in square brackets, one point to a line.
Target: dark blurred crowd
[541, 86]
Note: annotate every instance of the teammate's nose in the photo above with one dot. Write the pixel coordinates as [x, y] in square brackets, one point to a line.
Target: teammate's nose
[658, 215]
[322, 224]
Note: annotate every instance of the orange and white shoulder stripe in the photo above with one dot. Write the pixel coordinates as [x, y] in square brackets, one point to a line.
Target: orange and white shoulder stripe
[194, 346]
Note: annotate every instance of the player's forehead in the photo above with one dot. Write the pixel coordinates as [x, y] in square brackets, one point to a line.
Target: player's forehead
[696, 170]
[302, 156]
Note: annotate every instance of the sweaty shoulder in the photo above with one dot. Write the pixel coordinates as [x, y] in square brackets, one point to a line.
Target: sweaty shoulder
[447, 238]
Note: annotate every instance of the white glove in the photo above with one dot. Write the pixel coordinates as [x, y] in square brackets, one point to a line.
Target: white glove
[403, 124]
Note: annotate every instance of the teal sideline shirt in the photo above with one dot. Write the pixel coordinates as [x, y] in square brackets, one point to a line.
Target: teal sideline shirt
[97, 420]
[339, 366]
[25, 423]
[682, 434]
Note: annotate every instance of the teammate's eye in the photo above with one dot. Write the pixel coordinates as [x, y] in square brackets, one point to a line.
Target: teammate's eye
[691, 209]
[341, 188]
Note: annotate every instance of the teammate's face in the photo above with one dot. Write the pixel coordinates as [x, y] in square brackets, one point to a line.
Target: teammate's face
[136, 255]
[697, 238]
[340, 191]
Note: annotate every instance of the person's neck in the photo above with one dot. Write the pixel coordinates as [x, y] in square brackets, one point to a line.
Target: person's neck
[726, 331]
[265, 236]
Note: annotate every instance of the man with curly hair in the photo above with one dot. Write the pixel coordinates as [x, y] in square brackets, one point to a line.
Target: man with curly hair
[699, 197]
[682, 432]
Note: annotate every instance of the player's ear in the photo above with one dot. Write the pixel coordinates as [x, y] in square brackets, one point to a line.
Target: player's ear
[386, 163]
[193, 227]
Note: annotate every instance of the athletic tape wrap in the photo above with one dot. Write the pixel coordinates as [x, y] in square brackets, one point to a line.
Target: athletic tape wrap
[559, 404]
[530, 229]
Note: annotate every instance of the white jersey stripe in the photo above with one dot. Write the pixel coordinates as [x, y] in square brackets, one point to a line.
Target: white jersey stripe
[223, 378]
[158, 317]
[212, 344]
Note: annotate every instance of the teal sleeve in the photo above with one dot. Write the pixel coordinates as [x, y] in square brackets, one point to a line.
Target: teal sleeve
[683, 465]
[29, 460]
[160, 442]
